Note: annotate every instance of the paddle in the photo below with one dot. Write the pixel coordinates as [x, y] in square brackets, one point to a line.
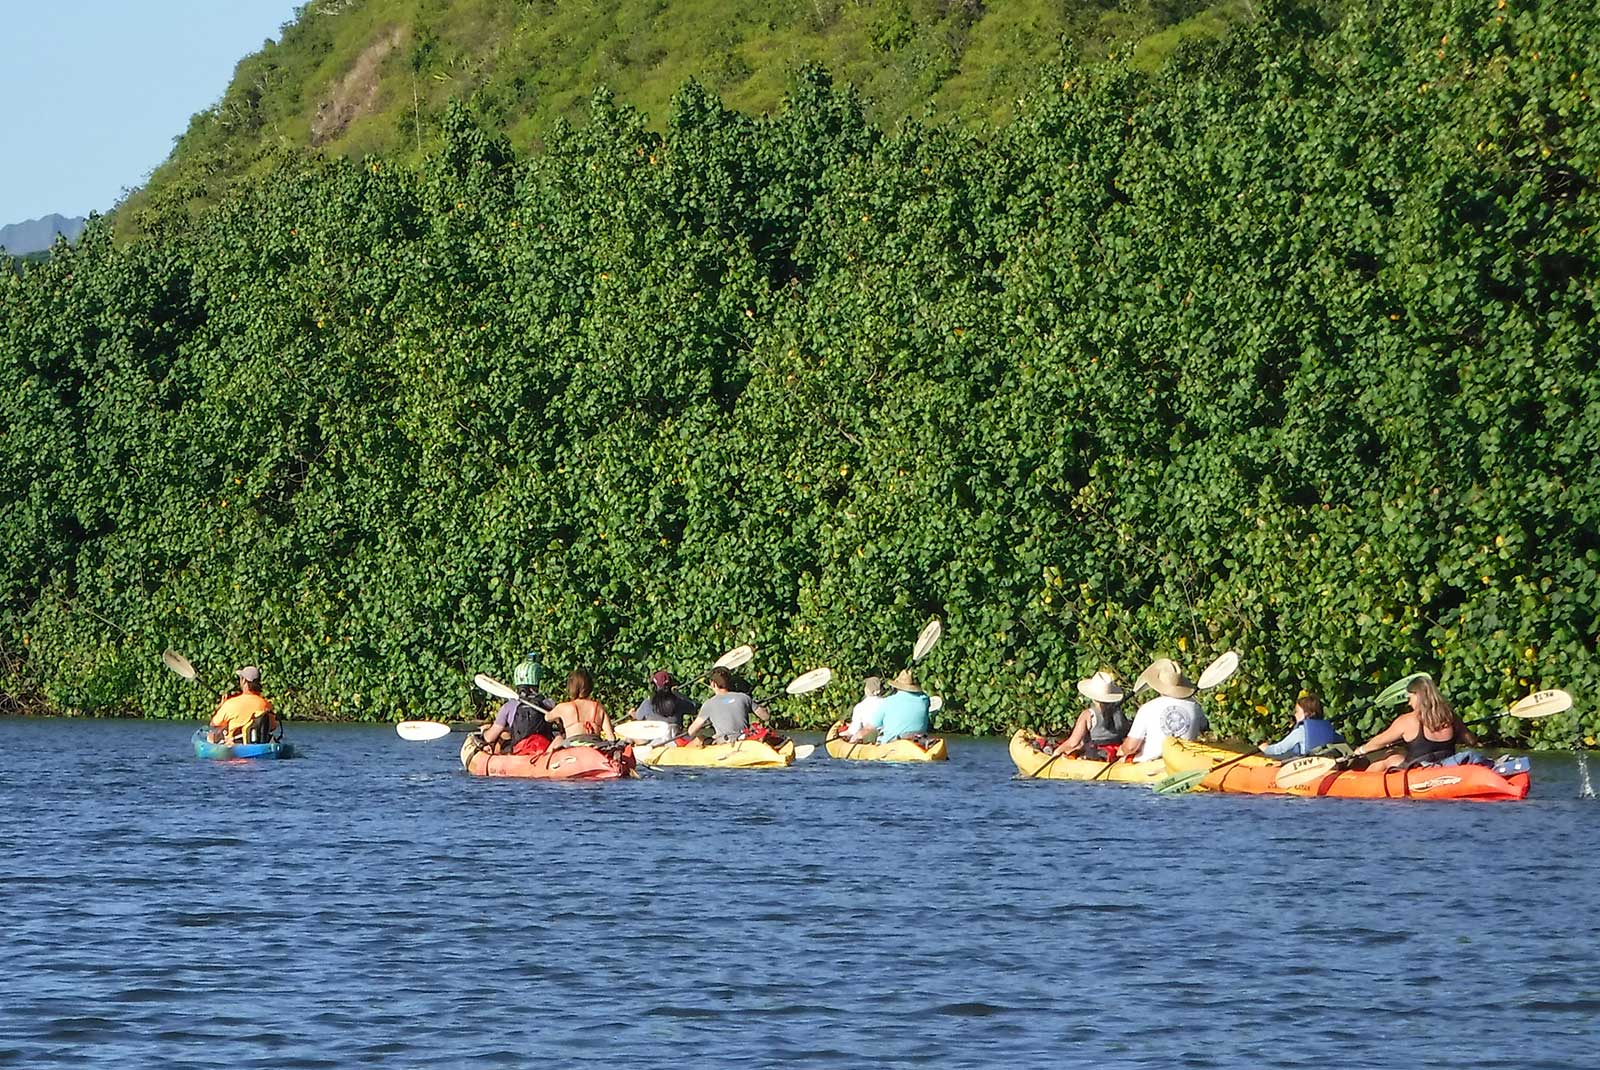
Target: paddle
[420, 731]
[1303, 771]
[178, 664]
[736, 658]
[642, 731]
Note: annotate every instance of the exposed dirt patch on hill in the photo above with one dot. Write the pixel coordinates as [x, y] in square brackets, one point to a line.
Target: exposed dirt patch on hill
[355, 94]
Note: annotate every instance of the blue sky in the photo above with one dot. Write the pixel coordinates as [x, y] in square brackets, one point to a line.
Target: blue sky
[92, 92]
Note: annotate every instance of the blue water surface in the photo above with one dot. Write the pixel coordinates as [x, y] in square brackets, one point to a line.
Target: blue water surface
[368, 904]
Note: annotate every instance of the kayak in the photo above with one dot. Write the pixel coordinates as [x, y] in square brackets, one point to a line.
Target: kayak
[1257, 775]
[739, 754]
[900, 750]
[204, 748]
[576, 762]
[1031, 762]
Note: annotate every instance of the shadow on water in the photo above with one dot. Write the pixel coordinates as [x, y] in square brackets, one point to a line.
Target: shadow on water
[369, 904]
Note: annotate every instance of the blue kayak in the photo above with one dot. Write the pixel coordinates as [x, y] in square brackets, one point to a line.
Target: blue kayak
[204, 748]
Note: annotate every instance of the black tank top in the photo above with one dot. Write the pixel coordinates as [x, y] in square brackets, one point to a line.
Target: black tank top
[1422, 750]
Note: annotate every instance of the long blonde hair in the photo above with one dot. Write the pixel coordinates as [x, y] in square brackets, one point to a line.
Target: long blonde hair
[1430, 707]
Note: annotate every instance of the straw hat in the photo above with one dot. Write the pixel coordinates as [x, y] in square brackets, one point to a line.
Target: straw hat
[906, 682]
[1101, 687]
[1168, 679]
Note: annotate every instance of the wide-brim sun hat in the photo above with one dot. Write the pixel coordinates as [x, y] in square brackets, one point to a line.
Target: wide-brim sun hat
[905, 681]
[1101, 687]
[1169, 680]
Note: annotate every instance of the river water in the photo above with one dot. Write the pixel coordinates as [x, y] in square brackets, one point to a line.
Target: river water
[370, 905]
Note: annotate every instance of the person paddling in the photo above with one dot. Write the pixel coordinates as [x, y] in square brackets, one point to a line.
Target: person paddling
[1430, 730]
[1173, 714]
[1101, 728]
[582, 719]
[1311, 730]
[906, 712]
[867, 716]
[727, 711]
[666, 704]
[245, 716]
[522, 725]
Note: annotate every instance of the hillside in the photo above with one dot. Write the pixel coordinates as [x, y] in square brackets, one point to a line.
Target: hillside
[1287, 348]
[37, 235]
[352, 77]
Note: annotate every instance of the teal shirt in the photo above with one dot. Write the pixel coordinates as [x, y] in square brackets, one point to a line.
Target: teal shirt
[904, 713]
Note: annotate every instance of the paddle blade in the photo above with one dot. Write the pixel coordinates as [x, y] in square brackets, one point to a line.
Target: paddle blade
[178, 664]
[1178, 783]
[739, 655]
[804, 751]
[421, 731]
[927, 640]
[814, 680]
[1396, 692]
[1302, 771]
[494, 687]
[935, 703]
[643, 731]
[1542, 704]
[1218, 672]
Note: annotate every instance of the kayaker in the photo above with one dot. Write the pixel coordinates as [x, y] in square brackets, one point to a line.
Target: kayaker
[1430, 730]
[581, 717]
[666, 704]
[244, 716]
[1311, 730]
[867, 716]
[1101, 728]
[522, 725]
[727, 711]
[905, 713]
[1172, 714]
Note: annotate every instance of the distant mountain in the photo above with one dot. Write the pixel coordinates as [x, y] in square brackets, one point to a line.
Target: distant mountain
[36, 235]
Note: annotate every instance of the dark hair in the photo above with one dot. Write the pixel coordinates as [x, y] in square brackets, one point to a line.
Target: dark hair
[580, 684]
[1311, 702]
[722, 678]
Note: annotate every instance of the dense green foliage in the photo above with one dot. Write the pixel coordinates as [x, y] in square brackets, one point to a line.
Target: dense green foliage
[375, 76]
[1288, 348]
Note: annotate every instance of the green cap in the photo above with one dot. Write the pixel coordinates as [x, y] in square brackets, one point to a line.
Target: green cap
[527, 674]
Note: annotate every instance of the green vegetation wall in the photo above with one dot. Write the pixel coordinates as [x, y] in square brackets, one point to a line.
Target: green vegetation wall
[1290, 349]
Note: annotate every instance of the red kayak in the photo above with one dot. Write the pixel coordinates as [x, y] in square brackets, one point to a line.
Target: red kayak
[608, 762]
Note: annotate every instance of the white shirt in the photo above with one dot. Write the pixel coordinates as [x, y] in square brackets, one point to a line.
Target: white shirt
[1166, 718]
[865, 715]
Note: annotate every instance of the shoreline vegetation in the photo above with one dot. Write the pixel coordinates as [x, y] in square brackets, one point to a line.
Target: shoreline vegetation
[1288, 347]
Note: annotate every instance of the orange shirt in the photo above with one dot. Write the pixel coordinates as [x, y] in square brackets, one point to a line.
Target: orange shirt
[237, 711]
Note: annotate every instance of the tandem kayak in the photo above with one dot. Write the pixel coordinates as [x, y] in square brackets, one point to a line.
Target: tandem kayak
[900, 750]
[559, 763]
[204, 748]
[1257, 775]
[739, 754]
[1032, 761]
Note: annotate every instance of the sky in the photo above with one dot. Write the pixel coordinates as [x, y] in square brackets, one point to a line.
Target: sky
[92, 92]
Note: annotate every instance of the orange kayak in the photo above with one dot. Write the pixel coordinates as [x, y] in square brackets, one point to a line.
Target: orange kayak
[561, 763]
[1257, 776]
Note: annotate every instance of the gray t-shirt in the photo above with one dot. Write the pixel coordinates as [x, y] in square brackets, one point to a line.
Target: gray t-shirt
[729, 714]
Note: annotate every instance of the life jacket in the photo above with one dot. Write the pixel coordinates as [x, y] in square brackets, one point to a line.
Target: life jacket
[529, 720]
[1107, 726]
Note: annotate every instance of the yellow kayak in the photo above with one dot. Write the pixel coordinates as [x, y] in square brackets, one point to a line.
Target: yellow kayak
[901, 750]
[740, 754]
[1185, 756]
[1031, 761]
